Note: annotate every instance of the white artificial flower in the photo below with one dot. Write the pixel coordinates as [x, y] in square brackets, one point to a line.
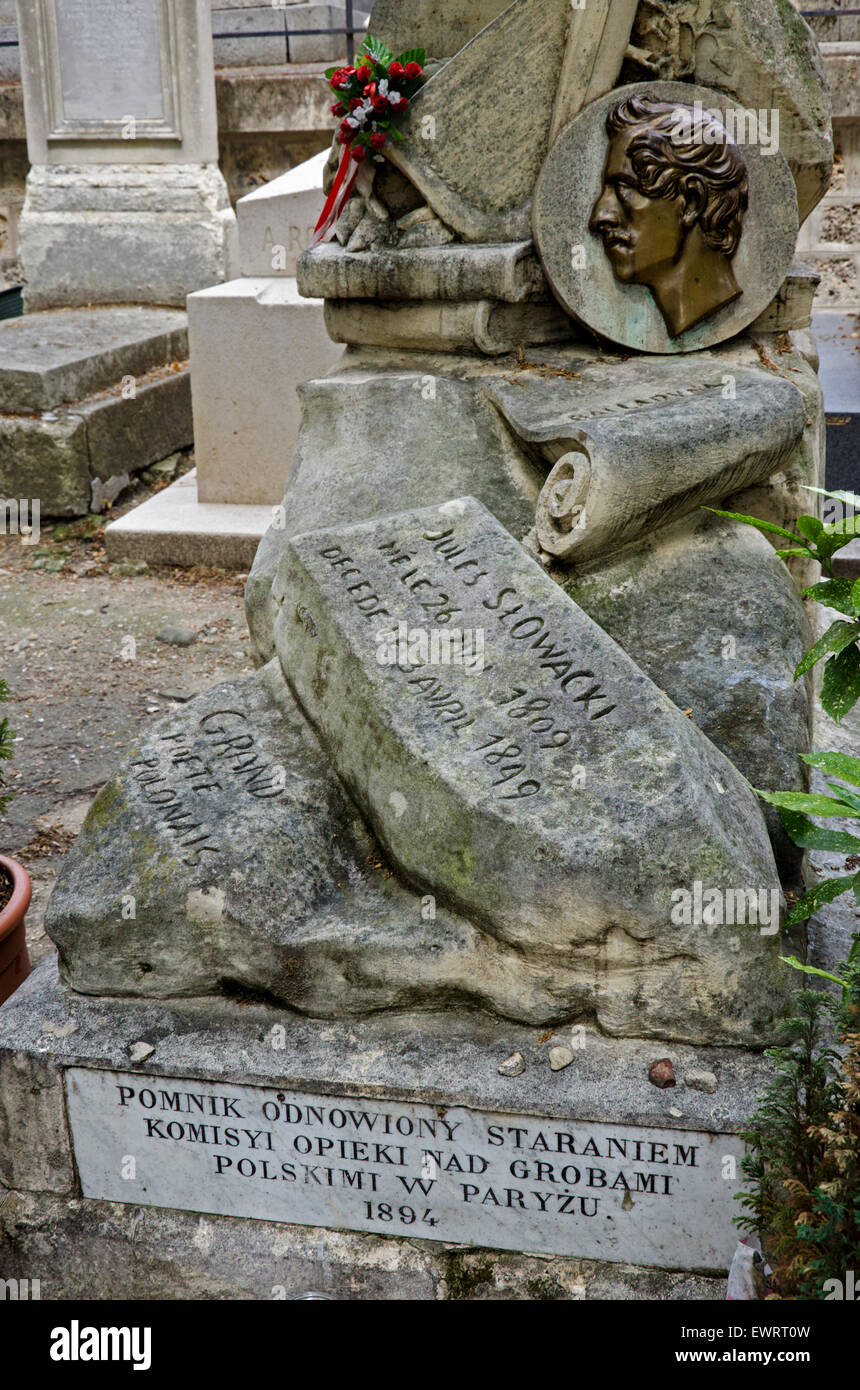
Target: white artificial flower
[394, 98]
[383, 87]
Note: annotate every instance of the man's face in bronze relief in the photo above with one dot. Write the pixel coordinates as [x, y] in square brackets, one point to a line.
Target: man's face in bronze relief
[670, 213]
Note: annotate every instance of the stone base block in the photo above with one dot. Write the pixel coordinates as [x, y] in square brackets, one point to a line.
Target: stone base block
[88, 398]
[276, 222]
[120, 234]
[237, 1144]
[252, 342]
[175, 528]
[101, 1250]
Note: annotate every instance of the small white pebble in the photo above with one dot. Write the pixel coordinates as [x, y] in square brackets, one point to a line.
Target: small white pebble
[514, 1065]
[560, 1057]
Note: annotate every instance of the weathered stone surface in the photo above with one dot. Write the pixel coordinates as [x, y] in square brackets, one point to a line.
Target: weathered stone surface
[763, 55]
[467, 1161]
[47, 460]
[581, 273]
[145, 233]
[713, 617]
[340, 475]
[35, 1148]
[511, 824]
[491, 328]
[506, 272]
[478, 169]
[441, 440]
[64, 457]
[132, 432]
[49, 358]
[439, 26]
[643, 457]
[147, 1253]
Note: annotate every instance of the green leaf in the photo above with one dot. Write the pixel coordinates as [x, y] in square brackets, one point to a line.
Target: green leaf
[837, 536]
[810, 527]
[755, 521]
[834, 593]
[787, 554]
[850, 498]
[810, 803]
[837, 637]
[850, 798]
[836, 765]
[808, 835]
[811, 970]
[377, 49]
[824, 892]
[840, 689]
[413, 55]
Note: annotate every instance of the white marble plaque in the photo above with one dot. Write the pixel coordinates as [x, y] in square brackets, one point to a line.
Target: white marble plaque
[596, 1191]
[110, 60]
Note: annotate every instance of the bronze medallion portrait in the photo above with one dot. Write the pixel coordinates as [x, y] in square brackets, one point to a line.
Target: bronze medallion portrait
[671, 210]
[657, 228]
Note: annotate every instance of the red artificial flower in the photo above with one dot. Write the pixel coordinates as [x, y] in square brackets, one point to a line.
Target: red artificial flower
[342, 77]
[338, 109]
[401, 104]
[413, 70]
[345, 137]
[347, 129]
[353, 102]
[396, 70]
[380, 105]
[364, 73]
[359, 153]
[378, 139]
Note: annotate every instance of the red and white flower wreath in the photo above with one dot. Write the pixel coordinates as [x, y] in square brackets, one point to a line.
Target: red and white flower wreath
[371, 97]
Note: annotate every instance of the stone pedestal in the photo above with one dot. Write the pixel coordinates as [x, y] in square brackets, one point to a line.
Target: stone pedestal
[393, 1126]
[136, 233]
[253, 340]
[125, 201]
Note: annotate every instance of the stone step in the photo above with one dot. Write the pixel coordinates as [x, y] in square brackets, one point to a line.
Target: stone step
[62, 355]
[71, 459]
[174, 528]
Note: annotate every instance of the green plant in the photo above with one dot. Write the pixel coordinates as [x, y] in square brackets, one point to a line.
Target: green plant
[786, 1148]
[795, 809]
[7, 744]
[820, 541]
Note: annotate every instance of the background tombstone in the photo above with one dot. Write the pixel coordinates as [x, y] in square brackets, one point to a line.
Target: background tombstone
[125, 202]
[252, 340]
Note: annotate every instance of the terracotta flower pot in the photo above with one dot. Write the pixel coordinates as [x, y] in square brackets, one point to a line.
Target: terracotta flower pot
[14, 960]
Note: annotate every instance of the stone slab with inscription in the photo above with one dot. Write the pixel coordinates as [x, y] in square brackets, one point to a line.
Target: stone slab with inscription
[244, 1109]
[508, 754]
[598, 1191]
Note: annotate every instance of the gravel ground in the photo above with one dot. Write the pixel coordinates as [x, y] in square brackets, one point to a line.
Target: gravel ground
[81, 691]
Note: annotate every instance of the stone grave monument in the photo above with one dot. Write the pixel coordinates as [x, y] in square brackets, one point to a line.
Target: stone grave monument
[385, 939]
[252, 340]
[125, 206]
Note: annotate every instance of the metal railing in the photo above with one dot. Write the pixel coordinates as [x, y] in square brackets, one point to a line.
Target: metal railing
[350, 29]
